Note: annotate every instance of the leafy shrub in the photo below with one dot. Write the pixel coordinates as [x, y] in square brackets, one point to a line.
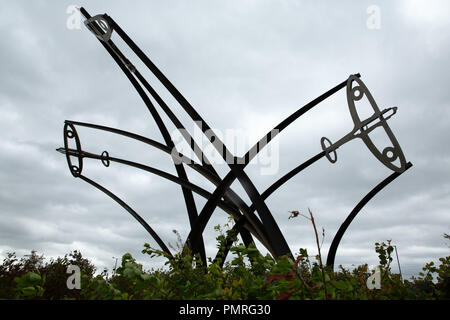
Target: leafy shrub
[248, 275]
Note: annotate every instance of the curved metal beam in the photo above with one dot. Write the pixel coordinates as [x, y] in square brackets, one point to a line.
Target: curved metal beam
[127, 66]
[115, 54]
[131, 211]
[105, 158]
[280, 244]
[288, 176]
[340, 233]
[230, 196]
[209, 207]
[229, 241]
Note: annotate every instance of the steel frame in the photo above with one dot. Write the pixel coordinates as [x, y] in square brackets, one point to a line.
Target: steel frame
[261, 226]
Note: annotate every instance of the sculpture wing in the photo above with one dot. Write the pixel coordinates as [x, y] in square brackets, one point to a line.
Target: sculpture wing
[356, 90]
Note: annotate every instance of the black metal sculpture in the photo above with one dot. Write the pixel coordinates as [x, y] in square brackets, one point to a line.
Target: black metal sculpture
[261, 226]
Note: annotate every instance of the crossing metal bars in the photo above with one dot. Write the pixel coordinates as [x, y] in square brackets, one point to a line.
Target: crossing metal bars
[262, 225]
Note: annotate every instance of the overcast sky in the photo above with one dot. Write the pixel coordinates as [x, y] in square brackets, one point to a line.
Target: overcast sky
[244, 65]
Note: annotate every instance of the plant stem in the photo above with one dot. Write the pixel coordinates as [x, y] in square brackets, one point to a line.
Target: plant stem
[320, 255]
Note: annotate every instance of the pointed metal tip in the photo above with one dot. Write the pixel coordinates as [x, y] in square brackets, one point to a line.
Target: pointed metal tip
[61, 150]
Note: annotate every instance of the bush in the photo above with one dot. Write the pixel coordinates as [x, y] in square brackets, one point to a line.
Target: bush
[249, 275]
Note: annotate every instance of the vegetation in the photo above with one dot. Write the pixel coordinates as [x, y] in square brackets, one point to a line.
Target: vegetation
[248, 275]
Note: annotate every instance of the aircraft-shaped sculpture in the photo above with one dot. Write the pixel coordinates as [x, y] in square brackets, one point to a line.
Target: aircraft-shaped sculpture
[262, 226]
[362, 128]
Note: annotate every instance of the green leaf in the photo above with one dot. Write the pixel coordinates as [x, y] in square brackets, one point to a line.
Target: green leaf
[29, 291]
[341, 285]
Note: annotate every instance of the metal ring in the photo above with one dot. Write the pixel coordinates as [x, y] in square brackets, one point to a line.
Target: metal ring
[100, 27]
[75, 169]
[71, 133]
[105, 158]
[361, 93]
[394, 155]
[327, 151]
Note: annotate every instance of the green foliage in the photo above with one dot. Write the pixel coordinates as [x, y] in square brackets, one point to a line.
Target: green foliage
[19, 278]
[247, 275]
[29, 286]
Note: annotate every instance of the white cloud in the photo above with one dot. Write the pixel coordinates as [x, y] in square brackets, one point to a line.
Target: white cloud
[433, 12]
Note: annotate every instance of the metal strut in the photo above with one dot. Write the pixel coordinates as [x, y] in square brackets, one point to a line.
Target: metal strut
[340, 233]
